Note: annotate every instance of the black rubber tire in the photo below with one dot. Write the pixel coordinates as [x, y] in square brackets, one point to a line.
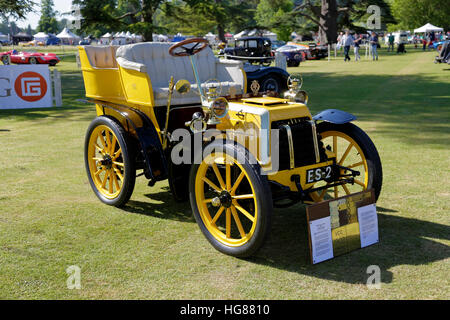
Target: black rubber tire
[127, 155]
[263, 197]
[5, 60]
[271, 82]
[33, 60]
[367, 146]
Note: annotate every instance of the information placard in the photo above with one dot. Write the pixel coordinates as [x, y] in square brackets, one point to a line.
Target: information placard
[25, 86]
[342, 225]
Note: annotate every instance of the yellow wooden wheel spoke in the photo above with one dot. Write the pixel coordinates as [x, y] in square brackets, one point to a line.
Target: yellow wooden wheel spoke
[113, 145]
[116, 182]
[218, 175]
[336, 193]
[244, 196]
[244, 212]
[335, 145]
[228, 224]
[119, 174]
[100, 149]
[111, 183]
[237, 183]
[120, 164]
[116, 154]
[99, 171]
[346, 153]
[217, 216]
[238, 222]
[228, 176]
[211, 184]
[345, 189]
[356, 165]
[102, 140]
[106, 179]
[207, 201]
[360, 183]
[324, 191]
[108, 141]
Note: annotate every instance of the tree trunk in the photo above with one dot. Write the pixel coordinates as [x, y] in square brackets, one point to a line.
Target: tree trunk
[328, 28]
[147, 17]
[221, 33]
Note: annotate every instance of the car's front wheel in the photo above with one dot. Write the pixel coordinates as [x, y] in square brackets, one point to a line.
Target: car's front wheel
[231, 200]
[32, 60]
[354, 150]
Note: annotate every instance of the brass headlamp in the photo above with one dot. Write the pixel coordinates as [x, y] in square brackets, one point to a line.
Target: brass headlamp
[295, 94]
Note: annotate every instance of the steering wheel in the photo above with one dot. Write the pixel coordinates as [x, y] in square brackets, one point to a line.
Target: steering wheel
[180, 50]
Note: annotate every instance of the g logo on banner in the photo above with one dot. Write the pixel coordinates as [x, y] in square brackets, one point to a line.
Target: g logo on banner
[30, 86]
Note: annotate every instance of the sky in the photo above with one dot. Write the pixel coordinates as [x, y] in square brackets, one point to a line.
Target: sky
[33, 18]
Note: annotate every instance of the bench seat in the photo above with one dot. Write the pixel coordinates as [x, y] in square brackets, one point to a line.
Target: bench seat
[153, 58]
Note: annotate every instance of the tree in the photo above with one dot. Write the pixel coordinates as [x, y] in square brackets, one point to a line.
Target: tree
[16, 8]
[271, 14]
[332, 15]
[135, 15]
[202, 16]
[412, 14]
[47, 22]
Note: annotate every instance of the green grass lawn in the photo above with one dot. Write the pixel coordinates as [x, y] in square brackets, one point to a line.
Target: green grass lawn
[152, 249]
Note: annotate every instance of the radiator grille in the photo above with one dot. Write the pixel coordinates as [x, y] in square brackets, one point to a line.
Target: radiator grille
[304, 152]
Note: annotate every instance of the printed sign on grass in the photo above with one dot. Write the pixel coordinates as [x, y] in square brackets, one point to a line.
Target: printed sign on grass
[25, 86]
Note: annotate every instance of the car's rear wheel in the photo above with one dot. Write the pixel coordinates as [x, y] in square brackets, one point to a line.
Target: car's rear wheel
[355, 150]
[109, 163]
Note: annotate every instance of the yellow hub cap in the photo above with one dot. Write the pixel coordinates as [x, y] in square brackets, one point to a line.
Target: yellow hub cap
[348, 154]
[106, 164]
[226, 199]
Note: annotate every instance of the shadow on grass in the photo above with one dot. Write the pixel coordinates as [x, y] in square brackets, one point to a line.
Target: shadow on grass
[166, 208]
[403, 241]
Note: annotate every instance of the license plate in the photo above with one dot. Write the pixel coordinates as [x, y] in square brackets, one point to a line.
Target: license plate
[318, 174]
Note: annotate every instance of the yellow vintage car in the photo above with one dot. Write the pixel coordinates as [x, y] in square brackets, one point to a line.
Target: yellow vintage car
[179, 113]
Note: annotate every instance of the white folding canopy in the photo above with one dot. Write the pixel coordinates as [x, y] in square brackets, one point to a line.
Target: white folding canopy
[41, 36]
[428, 28]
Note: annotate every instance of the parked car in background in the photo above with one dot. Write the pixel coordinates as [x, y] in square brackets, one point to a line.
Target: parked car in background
[312, 51]
[85, 42]
[294, 54]
[251, 47]
[318, 51]
[277, 44]
[15, 56]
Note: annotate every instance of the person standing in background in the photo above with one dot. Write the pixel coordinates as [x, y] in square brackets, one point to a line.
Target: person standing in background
[339, 41]
[348, 41]
[391, 39]
[357, 43]
[374, 44]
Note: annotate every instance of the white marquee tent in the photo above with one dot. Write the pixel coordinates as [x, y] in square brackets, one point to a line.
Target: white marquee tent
[427, 28]
[68, 37]
[41, 37]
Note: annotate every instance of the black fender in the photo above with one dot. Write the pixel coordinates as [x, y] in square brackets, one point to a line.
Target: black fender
[334, 116]
[261, 72]
[138, 124]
